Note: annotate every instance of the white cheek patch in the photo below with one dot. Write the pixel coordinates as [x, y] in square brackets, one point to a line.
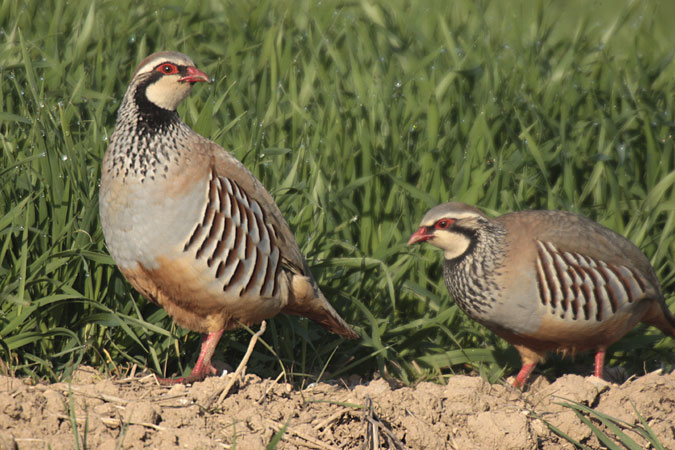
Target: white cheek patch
[167, 92]
[452, 244]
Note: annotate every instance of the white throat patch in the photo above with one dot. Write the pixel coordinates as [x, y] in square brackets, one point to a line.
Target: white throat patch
[452, 244]
[168, 92]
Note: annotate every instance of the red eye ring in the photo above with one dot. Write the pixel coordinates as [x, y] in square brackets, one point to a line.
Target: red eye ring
[167, 69]
[443, 224]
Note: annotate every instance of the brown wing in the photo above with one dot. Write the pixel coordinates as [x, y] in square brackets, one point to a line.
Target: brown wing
[305, 298]
[237, 241]
[578, 287]
[228, 167]
[594, 273]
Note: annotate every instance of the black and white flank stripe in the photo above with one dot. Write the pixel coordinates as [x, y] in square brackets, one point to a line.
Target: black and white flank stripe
[577, 287]
[235, 241]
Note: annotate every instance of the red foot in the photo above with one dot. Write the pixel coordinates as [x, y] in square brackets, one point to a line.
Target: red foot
[523, 375]
[599, 362]
[197, 374]
[203, 367]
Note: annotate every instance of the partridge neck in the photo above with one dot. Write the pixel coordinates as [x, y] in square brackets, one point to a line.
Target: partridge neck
[471, 277]
[148, 141]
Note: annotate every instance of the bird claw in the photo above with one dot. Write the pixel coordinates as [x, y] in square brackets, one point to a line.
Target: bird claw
[197, 374]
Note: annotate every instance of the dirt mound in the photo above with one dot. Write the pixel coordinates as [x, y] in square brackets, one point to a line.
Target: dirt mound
[465, 413]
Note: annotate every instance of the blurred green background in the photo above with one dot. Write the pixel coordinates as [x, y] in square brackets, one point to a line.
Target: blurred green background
[358, 116]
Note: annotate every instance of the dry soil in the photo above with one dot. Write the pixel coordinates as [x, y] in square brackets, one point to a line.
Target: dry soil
[96, 412]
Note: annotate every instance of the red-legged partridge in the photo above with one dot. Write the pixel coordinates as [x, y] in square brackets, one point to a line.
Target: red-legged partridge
[190, 227]
[545, 280]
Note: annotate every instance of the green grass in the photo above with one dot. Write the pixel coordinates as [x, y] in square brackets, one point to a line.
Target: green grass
[358, 117]
[609, 430]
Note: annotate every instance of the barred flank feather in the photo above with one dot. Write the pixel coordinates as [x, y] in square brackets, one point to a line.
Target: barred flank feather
[233, 238]
[575, 286]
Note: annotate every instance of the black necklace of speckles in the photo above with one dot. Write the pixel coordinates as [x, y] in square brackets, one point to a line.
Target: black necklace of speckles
[152, 118]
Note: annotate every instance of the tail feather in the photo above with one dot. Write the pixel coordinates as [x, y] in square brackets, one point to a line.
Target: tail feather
[307, 300]
[660, 316]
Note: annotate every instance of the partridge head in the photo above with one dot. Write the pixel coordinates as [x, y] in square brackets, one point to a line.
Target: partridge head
[545, 280]
[190, 227]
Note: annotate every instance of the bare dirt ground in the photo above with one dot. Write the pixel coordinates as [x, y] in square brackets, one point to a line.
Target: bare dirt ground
[467, 413]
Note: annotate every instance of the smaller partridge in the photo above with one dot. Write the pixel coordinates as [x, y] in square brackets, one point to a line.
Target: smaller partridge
[190, 227]
[545, 280]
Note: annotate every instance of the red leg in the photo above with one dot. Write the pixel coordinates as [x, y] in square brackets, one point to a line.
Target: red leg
[599, 362]
[524, 374]
[203, 367]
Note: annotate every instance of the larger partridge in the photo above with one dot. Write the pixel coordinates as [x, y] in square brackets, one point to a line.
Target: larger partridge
[190, 227]
[545, 280]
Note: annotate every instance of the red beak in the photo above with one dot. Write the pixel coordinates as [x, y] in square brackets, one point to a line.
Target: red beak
[194, 75]
[422, 234]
